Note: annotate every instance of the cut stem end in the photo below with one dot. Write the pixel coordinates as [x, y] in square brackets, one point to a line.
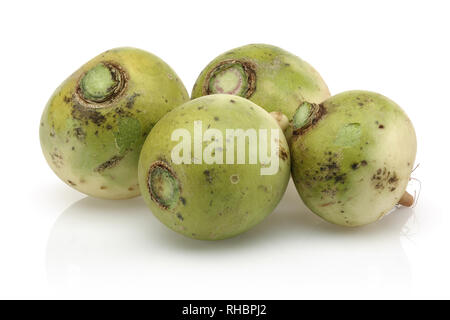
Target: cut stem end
[231, 77]
[307, 115]
[102, 83]
[163, 185]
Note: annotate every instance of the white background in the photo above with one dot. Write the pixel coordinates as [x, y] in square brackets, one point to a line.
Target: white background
[58, 243]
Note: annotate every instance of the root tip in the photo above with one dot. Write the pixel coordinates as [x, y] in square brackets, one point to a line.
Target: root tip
[407, 200]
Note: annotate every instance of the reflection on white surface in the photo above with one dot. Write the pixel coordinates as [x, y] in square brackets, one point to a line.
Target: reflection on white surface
[117, 247]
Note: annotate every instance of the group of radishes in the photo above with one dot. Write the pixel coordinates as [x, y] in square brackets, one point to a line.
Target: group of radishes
[123, 125]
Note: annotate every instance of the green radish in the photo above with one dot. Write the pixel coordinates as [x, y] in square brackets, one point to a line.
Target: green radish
[218, 199]
[352, 157]
[269, 76]
[95, 123]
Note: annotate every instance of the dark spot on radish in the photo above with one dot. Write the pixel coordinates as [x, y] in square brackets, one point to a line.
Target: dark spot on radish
[355, 166]
[79, 133]
[283, 154]
[208, 176]
[131, 99]
[393, 179]
[111, 163]
[83, 113]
